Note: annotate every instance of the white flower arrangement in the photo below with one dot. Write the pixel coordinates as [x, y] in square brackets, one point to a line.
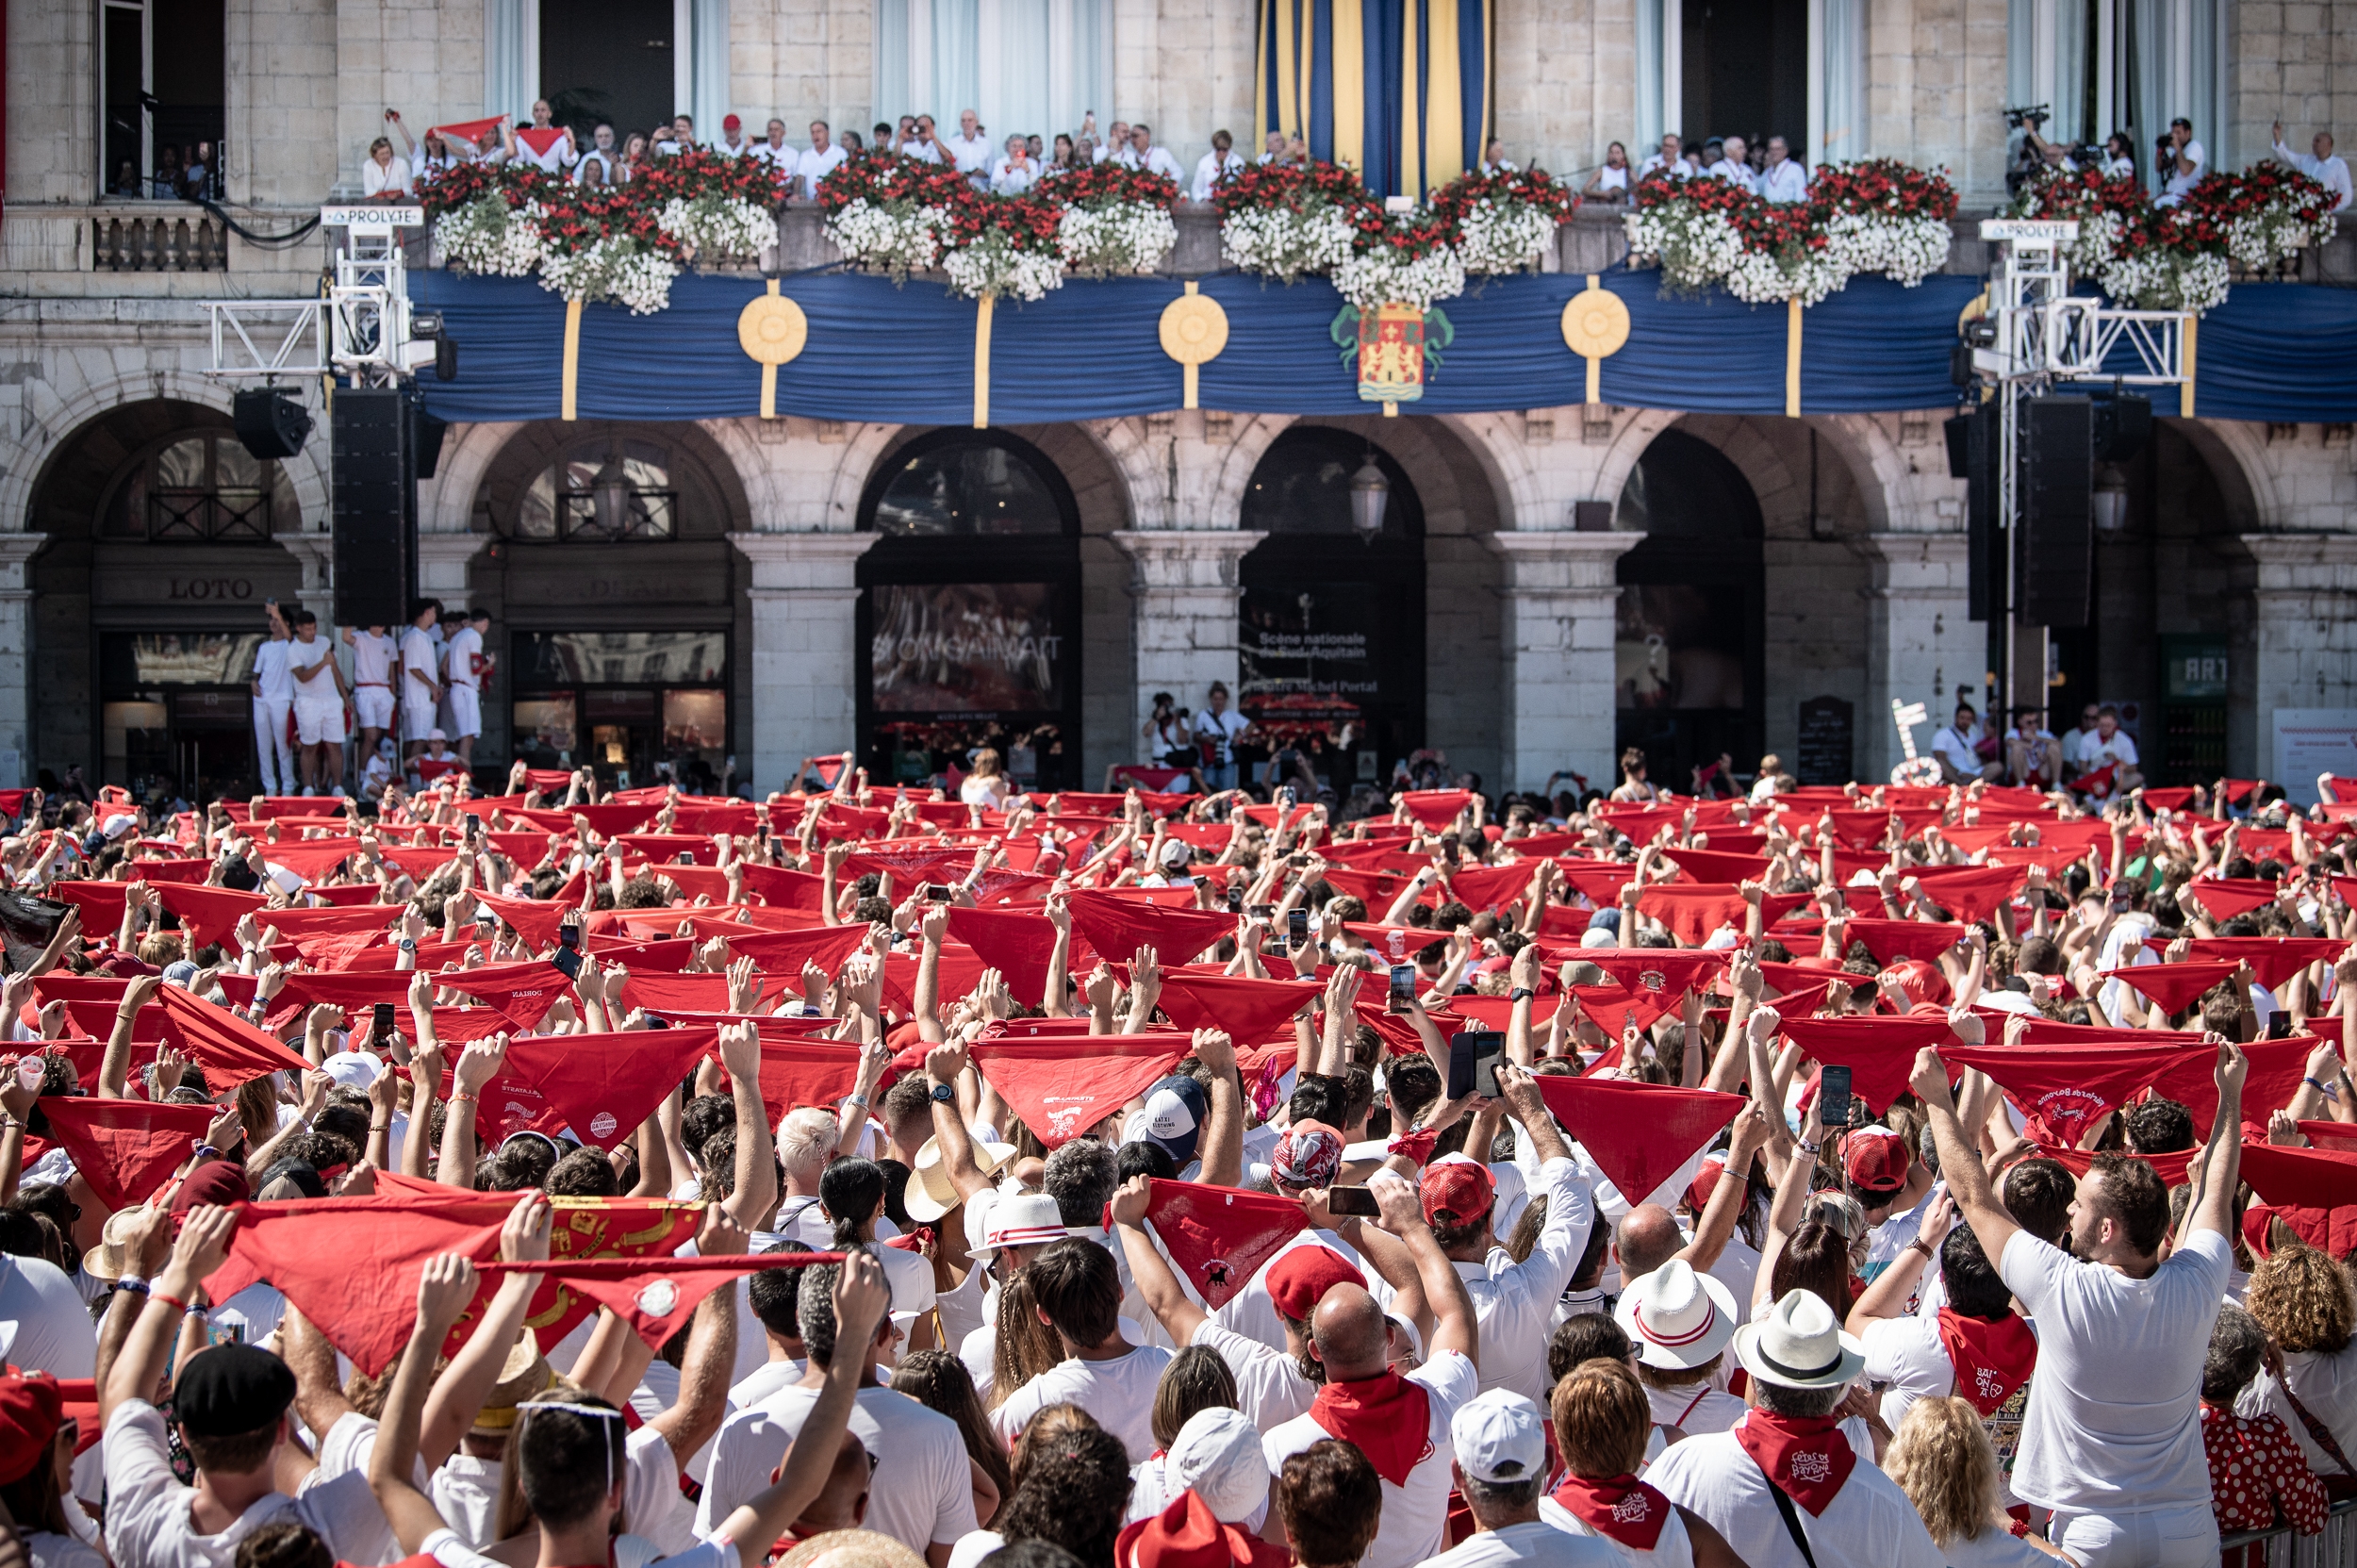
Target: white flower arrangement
[1116, 240]
[1504, 236]
[897, 239]
[1287, 243]
[487, 236]
[616, 269]
[717, 228]
[2155, 279]
[1693, 248]
[994, 264]
[1371, 278]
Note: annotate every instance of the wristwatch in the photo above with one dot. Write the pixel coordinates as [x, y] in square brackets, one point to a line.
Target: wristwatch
[1519, 992]
[944, 1095]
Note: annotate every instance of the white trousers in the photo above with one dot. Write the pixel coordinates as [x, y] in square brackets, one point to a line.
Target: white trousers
[270, 745]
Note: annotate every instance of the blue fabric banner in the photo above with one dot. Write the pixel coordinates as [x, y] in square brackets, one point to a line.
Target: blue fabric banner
[905, 354]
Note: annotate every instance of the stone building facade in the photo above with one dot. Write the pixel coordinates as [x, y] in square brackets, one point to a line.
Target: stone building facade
[1826, 551]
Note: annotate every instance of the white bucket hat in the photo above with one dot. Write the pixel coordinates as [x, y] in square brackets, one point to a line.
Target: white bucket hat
[1676, 1317]
[1800, 1344]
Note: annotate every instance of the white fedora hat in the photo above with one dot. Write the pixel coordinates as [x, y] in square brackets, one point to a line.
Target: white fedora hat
[1676, 1317]
[929, 1193]
[1026, 1219]
[1800, 1344]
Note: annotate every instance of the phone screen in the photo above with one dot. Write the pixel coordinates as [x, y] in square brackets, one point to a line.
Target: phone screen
[569, 937]
[1297, 925]
[1263, 912]
[381, 1021]
[1467, 1053]
[1833, 1091]
[1235, 899]
[1403, 986]
[567, 962]
[1352, 1200]
[938, 893]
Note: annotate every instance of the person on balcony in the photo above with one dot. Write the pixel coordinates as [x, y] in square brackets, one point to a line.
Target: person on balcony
[1609, 183]
[1784, 181]
[2324, 167]
[384, 176]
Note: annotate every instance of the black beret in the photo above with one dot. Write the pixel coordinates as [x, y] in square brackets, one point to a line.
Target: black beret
[232, 1388]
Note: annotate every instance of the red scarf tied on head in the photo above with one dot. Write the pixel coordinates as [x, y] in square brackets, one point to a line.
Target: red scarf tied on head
[1621, 1508]
[1387, 1417]
[1992, 1358]
[1807, 1459]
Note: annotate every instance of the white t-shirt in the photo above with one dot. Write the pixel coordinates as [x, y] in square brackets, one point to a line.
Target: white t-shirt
[417, 656]
[458, 656]
[1955, 747]
[2113, 1421]
[1220, 728]
[1515, 1302]
[1734, 173]
[812, 165]
[446, 1548]
[2327, 1387]
[1270, 1389]
[1672, 1549]
[971, 153]
[2179, 185]
[1696, 1409]
[1536, 1545]
[932, 1495]
[272, 669]
[1676, 169]
[1119, 1393]
[1870, 1523]
[376, 180]
[53, 1326]
[1995, 1548]
[148, 1524]
[372, 659]
[1209, 170]
[1415, 1516]
[2095, 751]
[320, 686]
[466, 1492]
[1784, 182]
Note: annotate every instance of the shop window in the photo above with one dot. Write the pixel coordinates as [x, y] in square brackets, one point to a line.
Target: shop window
[547, 724]
[179, 659]
[201, 490]
[608, 491]
[640, 707]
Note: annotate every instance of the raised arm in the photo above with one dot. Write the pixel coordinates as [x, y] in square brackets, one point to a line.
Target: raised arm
[1454, 1325]
[2212, 1206]
[445, 1286]
[1960, 1165]
[756, 1191]
[463, 1386]
[1176, 1310]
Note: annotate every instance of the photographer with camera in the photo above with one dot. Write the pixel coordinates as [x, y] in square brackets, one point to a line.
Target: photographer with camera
[2179, 162]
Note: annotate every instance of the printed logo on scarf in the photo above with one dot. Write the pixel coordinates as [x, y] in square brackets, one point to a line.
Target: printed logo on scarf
[1809, 1466]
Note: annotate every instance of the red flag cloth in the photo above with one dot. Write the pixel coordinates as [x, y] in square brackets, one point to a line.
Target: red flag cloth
[2300, 1178]
[525, 991]
[1599, 881]
[655, 1296]
[910, 863]
[1062, 1087]
[1663, 975]
[786, 951]
[605, 1084]
[1436, 808]
[538, 920]
[1615, 1009]
[1971, 893]
[1694, 911]
[1377, 890]
[295, 924]
[479, 132]
[2343, 790]
[1879, 1051]
[1115, 926]
[1992, 1360]
[2176, 799]
[1558, 921]
[2174, 1168]
[2222, 899]
[795, 1073]
[126, 1149]
[1252, 1012]
[2276, 1069]
[1016, 942]
[1488, 888]
[232, 1049]
[2336, 1135]
[1220, 1236]
[2061, 1089]
[2273, 959]
[1638, 1134]
[1891, 940]
[311, 858]
[2176, 986]
[706, 993]
[210, 914]
[1717, 865]
[101, 903]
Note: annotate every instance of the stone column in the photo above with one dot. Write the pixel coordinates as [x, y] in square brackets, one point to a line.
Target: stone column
[16, 656]
[805, 594]
[446, 568]
[1919, 643]
[2305, 637]
[1184, 586]
[1555, 636]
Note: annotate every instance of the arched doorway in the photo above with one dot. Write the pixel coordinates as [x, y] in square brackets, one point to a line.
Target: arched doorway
[1745, 71]
[609, 573]
[1331, 636]
[969, 617]
[611, 62]
[1689, 644]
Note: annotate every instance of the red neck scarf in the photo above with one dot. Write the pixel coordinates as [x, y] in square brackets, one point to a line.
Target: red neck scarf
[1807, 1459]
[1621, 1509]
[1992, 1358]
[1388, 1417]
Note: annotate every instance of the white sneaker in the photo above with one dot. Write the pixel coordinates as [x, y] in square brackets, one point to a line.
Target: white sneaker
[308, 791]
[339, 792]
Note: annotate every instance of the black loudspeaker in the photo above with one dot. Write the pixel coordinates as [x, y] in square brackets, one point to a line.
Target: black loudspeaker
[375, 472]
[2124, 422]
[270, 424]
[427, 438]
[2054, 546]
[1973, 447]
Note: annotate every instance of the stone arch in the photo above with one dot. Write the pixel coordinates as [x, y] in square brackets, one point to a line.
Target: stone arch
[525, 449]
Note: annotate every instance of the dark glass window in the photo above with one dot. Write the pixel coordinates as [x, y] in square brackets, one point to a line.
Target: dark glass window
[200, 490]
[607, 489]
[978, 486]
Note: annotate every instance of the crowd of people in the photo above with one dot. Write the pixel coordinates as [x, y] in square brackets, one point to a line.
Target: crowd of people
[411, 707]
[1831, 1177]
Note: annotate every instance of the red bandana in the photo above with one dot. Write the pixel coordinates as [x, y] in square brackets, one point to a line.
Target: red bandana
[1991, 1359]
[1807, 1460]
[540, 139]
[127, 1148]
[1016, 942]
[210, 914]
[1718, 864]
[1879, 1051]
[1220, 1236]
[1693, 911]
[231, 1049]
[604, 1086]
[1436, 808]
[1971, 892]
[1621, 1509]
[1387, 1417]
[524, 992]
[1656, 972]
[784, 952]
[2176, 986]
[1251, 1010]
[1116, 925]
[2062, 1089]
[1892, 940]
[2222, 899]
[1062, 1087]
[1637, 1134]
[1490, 888]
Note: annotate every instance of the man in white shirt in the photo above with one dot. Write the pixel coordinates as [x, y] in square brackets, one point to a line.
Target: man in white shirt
[544, 145]
[1116, 145]
[920, 143]
[1732, 167]
[732, 143]
[1500, 1443]
[1400, 1422]
[970, 149]
[1079, 1292]
[2111, 746]
[601, 152]
[2183, 162]
[319, 705]
[822, 159]
[1958, 748]
[373, 654]
[1153, 159]
[2110, 1438]
[1494, 159]
[1784, 181]
[2074, 741]
[273, 704]
[1221, 162]
[929, 1503]
[683, 134]
[465, 663]
[421, 693]
[2324, 167]
[1670, 160]
[775, 151]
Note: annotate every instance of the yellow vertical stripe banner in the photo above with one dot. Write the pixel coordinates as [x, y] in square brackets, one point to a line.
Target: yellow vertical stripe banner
[572, 356]
[1489, 77]
[1410, 119]
[1792, 360]
[1260, 77]
[1349, 51]
[981, 360]
[1445, 104]
[2184, 391]
[1288, 109]
[1308, 63]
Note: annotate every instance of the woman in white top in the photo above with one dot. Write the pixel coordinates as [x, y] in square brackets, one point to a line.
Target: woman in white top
[437, 157]
[1942, 1460]
[1609, 183]
[988, 785]
[633, 154]
[384, 176]
[1493, 159]
[1633, 787]
[1017, 171]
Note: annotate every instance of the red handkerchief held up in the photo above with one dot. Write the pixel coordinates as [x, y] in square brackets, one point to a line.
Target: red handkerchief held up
[605, 1084]
[1662, 975]
[1638, 1134]
[1220, 1236]
[1971, 892]
[1115, 926]
[1879, 1051]
[2059, 1089]
[1252, 1012]
[231, 1049]
[1892, 940]
[1062, 1087]
[2300, 1178]
[655, 1296]
[524, 992]
[126, 1149]
[1436, 808]
[1016, 942]
[2176, 986]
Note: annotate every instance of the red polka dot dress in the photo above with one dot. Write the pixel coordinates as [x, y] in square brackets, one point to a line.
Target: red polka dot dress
[2254, 1466]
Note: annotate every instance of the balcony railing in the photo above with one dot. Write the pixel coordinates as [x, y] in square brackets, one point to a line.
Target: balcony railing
[165, 238]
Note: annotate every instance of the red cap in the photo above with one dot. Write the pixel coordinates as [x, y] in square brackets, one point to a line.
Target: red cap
[1705, 1182]
[1456, 1183]
[31, 1408]
[730, 123]
[1299, 1279]
[1921, 981]
[214, 1181]
[1875, 1161]
[1188, 1534]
